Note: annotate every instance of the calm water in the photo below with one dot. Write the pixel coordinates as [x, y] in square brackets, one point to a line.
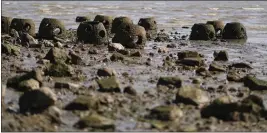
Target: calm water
[169, 14]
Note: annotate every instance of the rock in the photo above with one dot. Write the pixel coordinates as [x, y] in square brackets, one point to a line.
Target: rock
[10, 49]
[115, 47]
[175, 81]
[130, 90]
[124, 52]
[240, 65]
[36, 74]
[216, 67]
[234, 30]
[162, 37]
[95, 121]
[255, 84]
[249, 109]
[48, 43]
[117, 57]
[66, 85]
[28, 39]
[75, 59]
[93, 51]
[220, 56]
[83, 103]
[162, 50]
[137, 54]
[202, 31]
[59, 70]
[192, 61]
[192, 95]
[106, 72]
[30, 84]
[234, 76]
[196, 81]
[166, 113]
[57, 55]
[37, 100]
[59, 45]
[188, 54]
[203, 72]
[109, 84]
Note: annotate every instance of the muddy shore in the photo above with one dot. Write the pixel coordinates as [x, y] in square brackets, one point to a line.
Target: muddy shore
[150, 97]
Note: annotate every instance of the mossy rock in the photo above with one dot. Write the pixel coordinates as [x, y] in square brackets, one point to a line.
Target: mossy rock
[234, 30]
[59, 70]
[57, 55]
[216, 67]
[118, 22]
[24, 25]
[218, 26]
[92, 32]
[166, 113]
[48, 26]
[16, 80]
[131, 36]
[106, 21]
[6, 22]
[188, 54]
[255, 84]
[150, 26]
[30, 84]
[10, 49]
[221, 56]
[109, 84]
[202, 32]
[95, 121]
[192, 61]
[82, 18]
[83, 103]
[175, 81]
[192, 95]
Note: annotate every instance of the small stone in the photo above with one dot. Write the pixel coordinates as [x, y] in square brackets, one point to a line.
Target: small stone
[137, 54]
[106, 72]
[57, 55]
[171, 45]
[61, 85]
[115, 47]
[37, 100]
[166, 113]
[59, 70]
[188, 54]
[48, 43]
[192, 95]
[93, 51]
[83, 103]
[233, 76]
[175, 81]
[130, 90]
[162, 50]
[216, 67]
[117, 57]
[30, 84]
[203, 72]
[220, 56]
[240, 65]
[254, 83]
[10, 49]
[75, 58]
[109, 84]
[59, 45]
[192, 61]
[95, 121]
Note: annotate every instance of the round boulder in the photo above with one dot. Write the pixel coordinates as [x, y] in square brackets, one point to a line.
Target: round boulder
[24, 25]
[202, 32]
[150, 26]
[234, 30]
[106, 20]
[120, 21]
[92, 32]
[50, 28]
[218, 26]
[131, 36]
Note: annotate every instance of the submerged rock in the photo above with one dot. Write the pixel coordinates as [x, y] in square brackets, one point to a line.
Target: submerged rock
[37, 100]
[221, 56]
[192, 95]
[166, 113]
[109, 84]
[175, 81]
[255, 84]
[250, 109]
[95, 121]
[57, 55]
[83, 103]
